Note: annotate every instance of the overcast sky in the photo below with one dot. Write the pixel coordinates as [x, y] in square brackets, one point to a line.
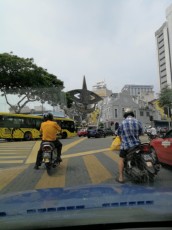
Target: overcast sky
[105, 40]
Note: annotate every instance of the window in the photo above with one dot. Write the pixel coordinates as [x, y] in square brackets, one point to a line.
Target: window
[116, 113]
[141, 113]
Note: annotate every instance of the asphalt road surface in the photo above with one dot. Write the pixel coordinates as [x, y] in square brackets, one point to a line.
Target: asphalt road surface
[85, 161]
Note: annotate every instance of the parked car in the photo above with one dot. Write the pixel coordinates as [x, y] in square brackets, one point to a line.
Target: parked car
[109, 132]
[95, 133]
[82, 133]
[163, 148]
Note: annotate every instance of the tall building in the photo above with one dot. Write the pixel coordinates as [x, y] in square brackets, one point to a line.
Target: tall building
[164, 50]
[141, 92]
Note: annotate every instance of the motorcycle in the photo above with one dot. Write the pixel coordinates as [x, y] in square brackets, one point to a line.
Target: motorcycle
[151, 136]
[49, 155]
[141, 165]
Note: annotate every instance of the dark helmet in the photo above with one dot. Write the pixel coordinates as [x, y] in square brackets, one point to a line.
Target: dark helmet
[128, 112]
[48, 116]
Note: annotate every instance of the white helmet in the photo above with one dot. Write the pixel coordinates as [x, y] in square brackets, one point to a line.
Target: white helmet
[150, 126]
[127, 112]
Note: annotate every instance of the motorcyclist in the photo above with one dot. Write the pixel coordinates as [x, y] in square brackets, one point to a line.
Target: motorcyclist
[49, 130]
[152, 132]
[129, 130]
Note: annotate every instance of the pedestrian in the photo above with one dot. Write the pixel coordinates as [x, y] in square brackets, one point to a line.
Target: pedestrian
[129, 130]
[49, 130]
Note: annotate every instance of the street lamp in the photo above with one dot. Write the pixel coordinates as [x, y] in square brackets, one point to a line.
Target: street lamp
[169, 116]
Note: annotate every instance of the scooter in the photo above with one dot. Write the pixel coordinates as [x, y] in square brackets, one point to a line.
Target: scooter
[141, 165]
[151, 136]
[49, 154]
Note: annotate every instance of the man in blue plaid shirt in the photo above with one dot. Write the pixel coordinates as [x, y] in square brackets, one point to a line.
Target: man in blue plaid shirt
[129, 131]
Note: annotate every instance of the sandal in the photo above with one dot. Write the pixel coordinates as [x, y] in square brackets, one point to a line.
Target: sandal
[119, 181]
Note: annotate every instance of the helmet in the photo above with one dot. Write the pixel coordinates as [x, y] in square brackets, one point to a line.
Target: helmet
[150, 126]
[127, 112]
[48, 116]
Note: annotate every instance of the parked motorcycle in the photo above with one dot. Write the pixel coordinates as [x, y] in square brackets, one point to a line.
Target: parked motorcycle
[141, 164]
[49, 154]
[151, 136]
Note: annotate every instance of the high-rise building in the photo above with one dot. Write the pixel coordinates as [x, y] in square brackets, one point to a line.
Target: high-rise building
[142, 92]
[164, 50]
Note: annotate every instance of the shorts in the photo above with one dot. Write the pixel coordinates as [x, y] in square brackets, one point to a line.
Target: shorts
[123, 153]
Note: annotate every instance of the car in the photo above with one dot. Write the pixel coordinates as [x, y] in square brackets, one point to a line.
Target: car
[162, 146]
[95, 133]
[109, 132]
[82, 133]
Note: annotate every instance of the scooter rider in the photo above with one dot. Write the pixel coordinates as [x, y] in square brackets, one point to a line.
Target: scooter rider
[49, 130]
[129, 130]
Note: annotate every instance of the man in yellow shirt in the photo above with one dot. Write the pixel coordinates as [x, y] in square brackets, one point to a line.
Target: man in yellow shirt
[49, 130]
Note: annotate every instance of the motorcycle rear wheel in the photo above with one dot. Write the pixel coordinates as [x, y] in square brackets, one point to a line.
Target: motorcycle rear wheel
[48, 166]
[148, 178]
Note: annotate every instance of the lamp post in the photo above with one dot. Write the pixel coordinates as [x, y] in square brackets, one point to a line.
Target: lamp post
[169, 116]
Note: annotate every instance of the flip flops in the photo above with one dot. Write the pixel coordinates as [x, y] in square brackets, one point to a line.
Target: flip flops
[121, 182]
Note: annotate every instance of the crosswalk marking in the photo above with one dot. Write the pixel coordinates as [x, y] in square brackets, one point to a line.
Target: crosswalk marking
[97, 172]
[56, 180]
[14, 153]
[11, 161]
[91, 163]
[10, 157]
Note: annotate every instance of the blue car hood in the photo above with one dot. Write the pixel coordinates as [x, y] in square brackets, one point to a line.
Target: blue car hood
[83, 204]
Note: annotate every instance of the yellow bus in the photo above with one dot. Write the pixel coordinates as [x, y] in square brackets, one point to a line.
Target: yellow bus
[26, 127]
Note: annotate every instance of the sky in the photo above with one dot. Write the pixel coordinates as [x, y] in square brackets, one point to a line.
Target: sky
[104, 40]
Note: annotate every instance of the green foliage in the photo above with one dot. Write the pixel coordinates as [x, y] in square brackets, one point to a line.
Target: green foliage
[69, 100]
[165, 100]
[165, 97]
[101, 125]
[20, 76]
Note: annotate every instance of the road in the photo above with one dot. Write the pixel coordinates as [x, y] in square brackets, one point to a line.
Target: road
[85, 161]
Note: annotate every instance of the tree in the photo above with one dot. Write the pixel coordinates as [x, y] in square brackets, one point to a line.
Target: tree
[69, 100]
[165, 100]
[21, 77]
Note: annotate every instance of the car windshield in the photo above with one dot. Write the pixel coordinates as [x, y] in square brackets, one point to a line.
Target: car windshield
[85, 114]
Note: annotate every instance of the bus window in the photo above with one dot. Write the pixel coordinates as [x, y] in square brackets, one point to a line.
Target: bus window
[38, 123]
[1, 121]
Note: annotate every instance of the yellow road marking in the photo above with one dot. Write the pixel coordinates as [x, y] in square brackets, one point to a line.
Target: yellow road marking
[6, 176]
[55, 180]
[84, 153]
[67, 147]
[32, 156]
[97, 172]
